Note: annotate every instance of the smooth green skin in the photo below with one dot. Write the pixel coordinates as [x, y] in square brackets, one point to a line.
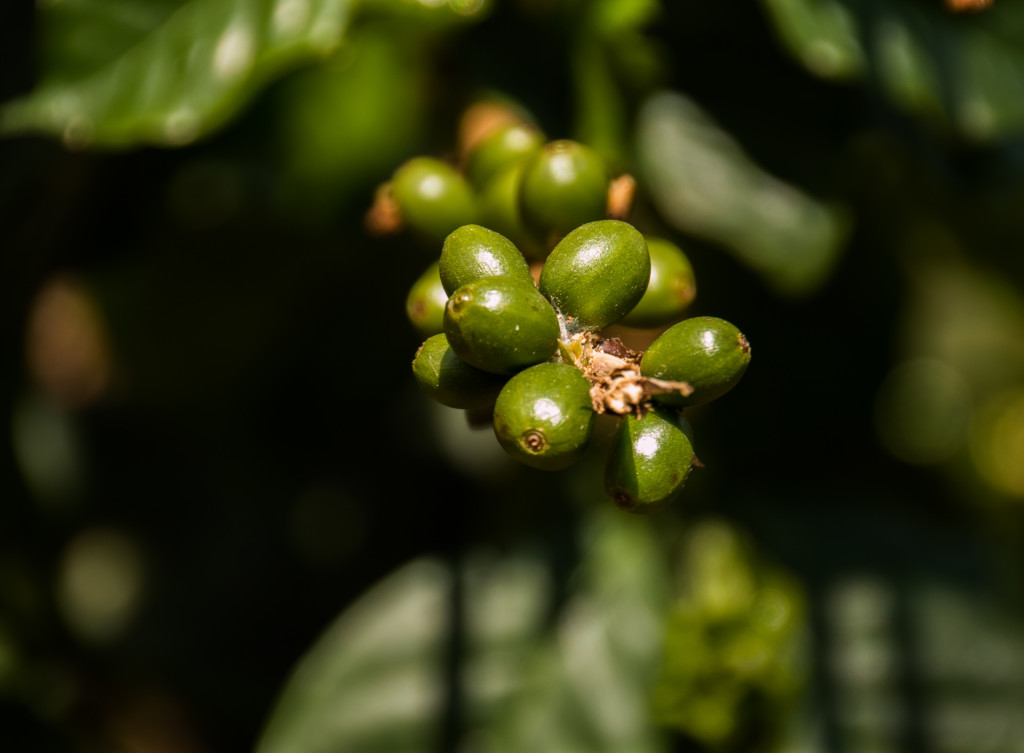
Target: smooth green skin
[501, 325]
[426, 301]
[544, 417]
[564, 185]
[451, 381]
[670, 290]
[434, 198]
[708, 353]
[472, 252]
[648, 463]
[596, 274]
[499, 210]
[508, 145]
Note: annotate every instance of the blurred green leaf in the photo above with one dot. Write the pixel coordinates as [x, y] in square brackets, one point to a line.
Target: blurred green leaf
[588, 689]
[374, 680]
[822, 35]
[78, 37]
[967, 657]
[174, 82]
[966, 72]
[704, 184]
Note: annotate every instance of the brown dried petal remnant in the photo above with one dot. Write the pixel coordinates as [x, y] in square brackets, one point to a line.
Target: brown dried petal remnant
[617, 386]
[958, 6]
[621, 192]
[68, 350]
[482, 119]
[384, 217]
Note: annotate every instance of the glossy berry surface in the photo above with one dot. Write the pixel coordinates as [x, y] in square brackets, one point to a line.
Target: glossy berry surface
[472, 252]
[426, 301]
[449, 380]
[564, 185]
[597, 274]
[544, 417]
[502, 148]
[499, 210]
[670, 290]
[708, 353]
[501, 324]
[648, 462]
[433, 197]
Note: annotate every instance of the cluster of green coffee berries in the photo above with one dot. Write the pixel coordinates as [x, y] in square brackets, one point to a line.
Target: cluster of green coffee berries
[531, 273]
[509, 179]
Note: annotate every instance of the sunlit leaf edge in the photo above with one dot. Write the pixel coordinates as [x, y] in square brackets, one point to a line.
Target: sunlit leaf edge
[185, 79]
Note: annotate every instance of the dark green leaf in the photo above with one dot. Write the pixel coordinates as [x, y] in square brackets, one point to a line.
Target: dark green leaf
[966, 72]
[374, 681]
[178, 80]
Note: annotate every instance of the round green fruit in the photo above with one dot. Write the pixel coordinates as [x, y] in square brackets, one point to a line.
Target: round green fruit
[472, 252]
[451, 381]
[596, 274]
[501, 324]
[433, 198]
[499, 210]
[426, 301]
[564, 185]
[544, 417]
[670, 290]
[506, 146]
[649, 461]
[709, 354]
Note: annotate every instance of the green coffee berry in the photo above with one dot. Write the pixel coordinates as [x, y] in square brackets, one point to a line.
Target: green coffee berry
[596, 274]
[426, 301]
[499, 210]
[451, 381]
[564, 185]
[543, 416]
[505, 146]
[433, 197]
[671, 288]
[472, 252]
[501, 324]
[649, 461]
[709, 354]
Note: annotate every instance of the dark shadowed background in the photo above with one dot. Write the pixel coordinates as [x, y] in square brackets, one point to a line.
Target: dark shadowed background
[213, 446]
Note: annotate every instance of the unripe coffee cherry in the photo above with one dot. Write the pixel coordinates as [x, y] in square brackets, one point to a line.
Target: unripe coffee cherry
[649, 461]
[433, 198]
[472, 252]
[671, 288]
[451, 381]
[426, 301]
[709, 354]
[596, 274]
[564, 185]
[501, 324]
[543, 416]
[498, 201]
[501, 148]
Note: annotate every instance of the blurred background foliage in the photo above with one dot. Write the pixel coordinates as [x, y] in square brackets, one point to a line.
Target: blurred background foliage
[228, 521]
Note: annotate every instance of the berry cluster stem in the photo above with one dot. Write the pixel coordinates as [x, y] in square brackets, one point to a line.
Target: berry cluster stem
[613, 370]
